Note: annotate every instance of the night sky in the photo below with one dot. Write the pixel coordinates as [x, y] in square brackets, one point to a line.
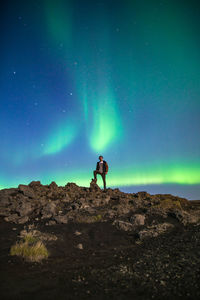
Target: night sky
[79, 79]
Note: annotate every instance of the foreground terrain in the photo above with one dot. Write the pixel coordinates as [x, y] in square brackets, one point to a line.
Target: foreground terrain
[101, 245]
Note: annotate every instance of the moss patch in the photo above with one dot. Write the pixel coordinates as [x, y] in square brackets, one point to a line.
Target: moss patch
[169, 203]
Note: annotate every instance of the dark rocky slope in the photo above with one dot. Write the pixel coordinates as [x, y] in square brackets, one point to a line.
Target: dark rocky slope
[107, 245]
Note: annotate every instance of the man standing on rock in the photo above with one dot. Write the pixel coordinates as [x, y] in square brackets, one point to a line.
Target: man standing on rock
[102, 169]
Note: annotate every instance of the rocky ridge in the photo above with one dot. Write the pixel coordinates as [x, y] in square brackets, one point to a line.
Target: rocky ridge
[101, 244]
[146, 215]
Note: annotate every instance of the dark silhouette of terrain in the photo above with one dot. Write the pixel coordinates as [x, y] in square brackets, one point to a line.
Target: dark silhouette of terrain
[101, 244]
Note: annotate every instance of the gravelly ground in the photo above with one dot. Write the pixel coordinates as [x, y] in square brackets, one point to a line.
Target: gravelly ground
[112, 265]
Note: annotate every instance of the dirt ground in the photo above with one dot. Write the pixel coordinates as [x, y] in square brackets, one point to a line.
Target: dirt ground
[113, 264]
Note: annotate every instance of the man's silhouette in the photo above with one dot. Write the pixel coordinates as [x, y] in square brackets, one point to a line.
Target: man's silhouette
[102, 169]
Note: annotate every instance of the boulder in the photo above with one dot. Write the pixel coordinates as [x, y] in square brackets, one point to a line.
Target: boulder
[26, 190]
[13, 218]
[53, 185]
[143, 195]
[23, 220]
[126, 226]
[137, 220]
[6, 196]
[155, 230]
[186, 218]
[66, 198]
[34, 184]
[49, 210]
[94, 187]
[24, 209]
[5, 211]
[61, 219]
[80, 246]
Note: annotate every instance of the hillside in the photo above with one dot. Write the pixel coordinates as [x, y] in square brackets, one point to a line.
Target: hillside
[101, 245]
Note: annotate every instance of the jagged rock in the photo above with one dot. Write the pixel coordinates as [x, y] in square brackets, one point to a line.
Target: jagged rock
[106, 199]
[50, 223]
[185, 217]
[8, 192]
[22, 220]
[66, 198]
[12, 218]
[73, 203]
[49, 210]
[143, 195]
[5, 211]
[53, 185]
[137, 220]
[34, 184]
[192, 218]
[75, 206]
[123, 210]
[96, 202]
[126, 226]
[94, 187]
[80, 246]
[157, 211]
[15, 218]
[110, 214]
[24, 209]
[155, 230]
[61, 219]
[26, 190]
[6, 198]
[72, 186]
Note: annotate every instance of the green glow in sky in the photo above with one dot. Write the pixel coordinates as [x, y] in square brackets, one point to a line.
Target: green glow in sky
[59, 20]
[59, 138]
[187, 174]
[106, 123]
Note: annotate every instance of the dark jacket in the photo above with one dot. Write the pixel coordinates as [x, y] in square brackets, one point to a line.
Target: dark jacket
[105, 166]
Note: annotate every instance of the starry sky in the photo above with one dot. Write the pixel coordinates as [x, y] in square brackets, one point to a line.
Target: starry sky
[79, 79]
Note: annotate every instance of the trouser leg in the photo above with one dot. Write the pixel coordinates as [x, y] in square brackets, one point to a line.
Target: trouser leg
[95, 174]
[104, 180]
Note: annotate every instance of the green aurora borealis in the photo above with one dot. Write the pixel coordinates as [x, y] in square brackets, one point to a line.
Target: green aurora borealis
[84, 78]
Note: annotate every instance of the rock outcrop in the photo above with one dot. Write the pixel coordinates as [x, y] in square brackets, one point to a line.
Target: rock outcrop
[148, 215]
[97, 244]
